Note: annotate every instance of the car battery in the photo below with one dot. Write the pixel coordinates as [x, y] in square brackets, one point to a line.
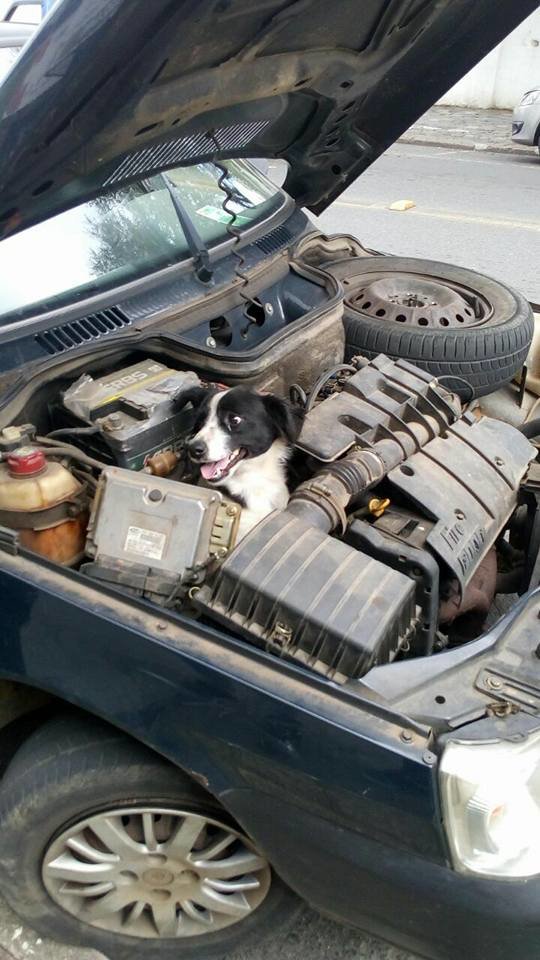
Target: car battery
[134, 410]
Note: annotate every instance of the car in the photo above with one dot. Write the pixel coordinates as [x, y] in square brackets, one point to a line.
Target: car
[198, 733]
[526, 119]
[13, 37]
[27, 12]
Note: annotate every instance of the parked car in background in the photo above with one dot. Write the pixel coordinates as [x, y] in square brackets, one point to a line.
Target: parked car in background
[13, 37]
[22, 11]
[526, 119]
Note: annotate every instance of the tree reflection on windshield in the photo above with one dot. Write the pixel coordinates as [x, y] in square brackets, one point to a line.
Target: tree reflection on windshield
[124, 235]
[133, 230]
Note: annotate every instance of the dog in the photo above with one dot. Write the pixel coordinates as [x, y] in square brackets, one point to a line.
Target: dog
[241, 442]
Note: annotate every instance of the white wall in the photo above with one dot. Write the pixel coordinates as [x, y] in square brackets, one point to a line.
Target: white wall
[501, 78]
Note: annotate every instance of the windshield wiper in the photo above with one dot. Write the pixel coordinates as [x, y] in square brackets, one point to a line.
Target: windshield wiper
[196, 244]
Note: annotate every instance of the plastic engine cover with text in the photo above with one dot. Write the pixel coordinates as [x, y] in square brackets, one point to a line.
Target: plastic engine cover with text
[467, 481]
[385, 395]
[303, 594]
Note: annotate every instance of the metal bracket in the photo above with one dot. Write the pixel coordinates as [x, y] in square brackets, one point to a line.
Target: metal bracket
[531, 484]
[509, 690]
[225, 529]
[9, 541]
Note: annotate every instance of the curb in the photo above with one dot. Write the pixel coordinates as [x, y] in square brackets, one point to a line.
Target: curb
[464, 145]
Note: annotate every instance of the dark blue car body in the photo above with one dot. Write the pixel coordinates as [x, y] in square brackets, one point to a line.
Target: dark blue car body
[346, 811]
[338, 787]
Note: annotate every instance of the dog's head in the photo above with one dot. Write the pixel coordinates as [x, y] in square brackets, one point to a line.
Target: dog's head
[236, 425]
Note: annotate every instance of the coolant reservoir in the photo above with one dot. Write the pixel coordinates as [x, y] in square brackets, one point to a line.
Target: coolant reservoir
[45, 503]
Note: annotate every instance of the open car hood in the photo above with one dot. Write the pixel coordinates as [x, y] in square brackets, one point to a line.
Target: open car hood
[112, 90]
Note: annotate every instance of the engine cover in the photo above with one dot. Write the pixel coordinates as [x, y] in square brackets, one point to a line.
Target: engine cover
[467, 481]
[383, 398]
[464, 476]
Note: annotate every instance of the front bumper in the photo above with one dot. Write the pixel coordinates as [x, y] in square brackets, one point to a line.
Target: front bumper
[525, 124]
[412, 902]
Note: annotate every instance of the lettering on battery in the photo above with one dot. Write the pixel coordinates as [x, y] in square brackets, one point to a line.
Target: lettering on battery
[136, 376]
[145, 543]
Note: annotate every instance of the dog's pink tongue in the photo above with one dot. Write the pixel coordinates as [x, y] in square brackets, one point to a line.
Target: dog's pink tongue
[212, 470]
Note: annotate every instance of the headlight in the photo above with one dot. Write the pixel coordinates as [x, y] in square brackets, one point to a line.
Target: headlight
[533, 96]
[491, 806]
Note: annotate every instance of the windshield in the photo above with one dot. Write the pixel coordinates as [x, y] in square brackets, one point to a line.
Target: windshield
[124, 235]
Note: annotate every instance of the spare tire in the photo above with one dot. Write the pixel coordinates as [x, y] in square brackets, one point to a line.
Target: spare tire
[455, 323]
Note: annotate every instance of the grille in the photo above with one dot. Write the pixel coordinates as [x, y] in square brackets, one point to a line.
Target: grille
[274, 240]
[150, 159]
[76, 332]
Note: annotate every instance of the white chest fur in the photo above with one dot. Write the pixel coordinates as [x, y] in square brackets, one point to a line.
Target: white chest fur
[261, 484]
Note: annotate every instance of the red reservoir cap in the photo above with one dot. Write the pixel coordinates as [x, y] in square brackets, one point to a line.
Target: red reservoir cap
[25, 462]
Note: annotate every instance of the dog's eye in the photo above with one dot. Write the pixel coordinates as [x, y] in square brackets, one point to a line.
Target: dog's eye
[235, 421]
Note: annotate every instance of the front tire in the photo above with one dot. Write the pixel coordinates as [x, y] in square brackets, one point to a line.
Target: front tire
[104, 845]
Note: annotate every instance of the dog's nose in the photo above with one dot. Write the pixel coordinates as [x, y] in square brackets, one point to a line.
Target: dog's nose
[197, 449]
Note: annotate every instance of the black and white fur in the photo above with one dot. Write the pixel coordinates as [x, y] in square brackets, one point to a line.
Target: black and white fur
[241, 442]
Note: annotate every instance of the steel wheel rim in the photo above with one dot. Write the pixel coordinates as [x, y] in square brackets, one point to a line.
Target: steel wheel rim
[155, 872]
[420, 301]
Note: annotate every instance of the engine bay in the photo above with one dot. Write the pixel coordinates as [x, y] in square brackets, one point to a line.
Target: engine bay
[409, 511]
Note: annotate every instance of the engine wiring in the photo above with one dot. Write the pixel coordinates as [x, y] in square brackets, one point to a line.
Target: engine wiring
[324, 379]
[453, 377]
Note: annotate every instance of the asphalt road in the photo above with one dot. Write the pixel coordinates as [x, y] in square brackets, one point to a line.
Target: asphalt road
[313, 937]
[475, 209]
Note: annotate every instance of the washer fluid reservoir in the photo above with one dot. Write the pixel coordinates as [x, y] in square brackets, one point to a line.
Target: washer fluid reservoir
[45, 503]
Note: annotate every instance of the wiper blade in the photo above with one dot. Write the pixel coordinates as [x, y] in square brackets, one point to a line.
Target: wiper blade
[196, 244]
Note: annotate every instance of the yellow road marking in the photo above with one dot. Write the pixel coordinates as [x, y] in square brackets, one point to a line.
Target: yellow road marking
[447, 215]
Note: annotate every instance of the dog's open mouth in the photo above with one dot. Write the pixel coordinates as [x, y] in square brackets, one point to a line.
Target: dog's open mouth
[217, 469]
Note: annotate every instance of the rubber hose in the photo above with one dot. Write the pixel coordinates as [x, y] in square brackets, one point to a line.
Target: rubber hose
[73, 431]
[66, 450]
[531, 430]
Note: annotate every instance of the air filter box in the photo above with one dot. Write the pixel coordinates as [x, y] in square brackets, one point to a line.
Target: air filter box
[302, 594]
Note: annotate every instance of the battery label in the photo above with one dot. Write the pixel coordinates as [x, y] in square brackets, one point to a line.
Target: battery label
[146, 543]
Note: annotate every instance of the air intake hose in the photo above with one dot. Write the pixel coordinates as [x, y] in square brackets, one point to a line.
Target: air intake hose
[323, 500]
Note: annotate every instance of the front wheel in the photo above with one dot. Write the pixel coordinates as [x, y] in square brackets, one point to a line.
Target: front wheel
[104, 845]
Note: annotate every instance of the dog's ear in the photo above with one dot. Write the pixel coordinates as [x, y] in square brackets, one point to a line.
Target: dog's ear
[288, 419]
[195, 395]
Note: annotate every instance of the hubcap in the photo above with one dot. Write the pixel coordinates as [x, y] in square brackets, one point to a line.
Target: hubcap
[420, 301]
[155, 873]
